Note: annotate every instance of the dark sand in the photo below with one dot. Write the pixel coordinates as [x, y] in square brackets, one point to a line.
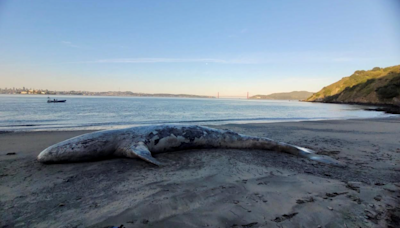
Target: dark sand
[212, 188]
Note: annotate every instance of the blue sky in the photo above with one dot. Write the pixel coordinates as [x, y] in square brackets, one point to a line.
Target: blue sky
[193, 46]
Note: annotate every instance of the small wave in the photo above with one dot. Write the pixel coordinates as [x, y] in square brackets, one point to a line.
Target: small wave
[122, 124]
[127, 123]
[22, 125]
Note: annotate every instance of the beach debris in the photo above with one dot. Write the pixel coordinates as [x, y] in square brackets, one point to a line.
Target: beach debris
[145, 221]
[370, 214]
[249, 224]
[284, 217]
[121, 226]
[11, 153]
[330, 208]
[378, 198]
[69, 179]
[354, 198]
[305, 200]
[334, 194]
[61, 205]
[308, 171]
[353, 186]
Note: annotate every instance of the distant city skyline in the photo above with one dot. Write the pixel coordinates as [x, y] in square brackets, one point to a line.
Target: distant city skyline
[33, 91]
[194, 47]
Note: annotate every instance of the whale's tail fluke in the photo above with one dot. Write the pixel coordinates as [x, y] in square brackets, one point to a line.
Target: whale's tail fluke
[304, 152]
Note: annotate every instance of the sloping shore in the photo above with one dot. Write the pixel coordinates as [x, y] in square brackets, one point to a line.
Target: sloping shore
[212, 188]
[387, 108]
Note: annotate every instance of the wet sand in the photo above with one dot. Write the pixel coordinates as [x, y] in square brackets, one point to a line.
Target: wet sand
[212, 188]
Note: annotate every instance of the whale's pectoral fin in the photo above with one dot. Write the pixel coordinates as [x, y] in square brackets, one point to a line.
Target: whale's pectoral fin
[141, 151]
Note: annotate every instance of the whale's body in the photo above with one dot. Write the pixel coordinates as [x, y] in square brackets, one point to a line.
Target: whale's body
[141, 142]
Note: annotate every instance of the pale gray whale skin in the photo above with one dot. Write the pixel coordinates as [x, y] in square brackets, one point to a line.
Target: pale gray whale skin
[141, 142]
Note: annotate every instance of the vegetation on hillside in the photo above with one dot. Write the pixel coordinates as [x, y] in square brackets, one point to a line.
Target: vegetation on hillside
[295, 95]
[376, 86]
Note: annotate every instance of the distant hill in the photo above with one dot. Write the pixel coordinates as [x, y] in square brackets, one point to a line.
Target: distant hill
[376, 86]
[295, 95]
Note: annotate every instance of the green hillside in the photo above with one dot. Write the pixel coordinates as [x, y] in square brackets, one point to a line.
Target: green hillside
[295, 95]
[376, 86]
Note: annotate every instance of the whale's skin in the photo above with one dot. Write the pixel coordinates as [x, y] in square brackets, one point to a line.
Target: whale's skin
[141, 142]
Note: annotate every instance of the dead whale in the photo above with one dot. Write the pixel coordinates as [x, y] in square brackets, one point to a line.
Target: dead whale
[142, 142]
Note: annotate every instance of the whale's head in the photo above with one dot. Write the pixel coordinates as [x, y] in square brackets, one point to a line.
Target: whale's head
[81, 148]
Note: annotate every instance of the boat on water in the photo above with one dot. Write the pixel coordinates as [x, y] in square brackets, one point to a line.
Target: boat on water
[49, 100]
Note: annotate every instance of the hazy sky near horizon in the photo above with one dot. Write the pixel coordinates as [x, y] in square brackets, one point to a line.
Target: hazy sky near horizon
[194, 46]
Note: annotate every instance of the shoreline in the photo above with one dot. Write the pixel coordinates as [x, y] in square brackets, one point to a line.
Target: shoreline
[387, 108]
[197, 123]
[213, 187]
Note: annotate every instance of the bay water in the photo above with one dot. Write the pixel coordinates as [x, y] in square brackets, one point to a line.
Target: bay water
[33, 113]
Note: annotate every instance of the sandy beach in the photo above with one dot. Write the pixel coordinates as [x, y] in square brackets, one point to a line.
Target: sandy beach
[212, 188]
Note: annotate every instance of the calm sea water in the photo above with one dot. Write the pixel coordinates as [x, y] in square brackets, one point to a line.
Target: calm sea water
[32, 113]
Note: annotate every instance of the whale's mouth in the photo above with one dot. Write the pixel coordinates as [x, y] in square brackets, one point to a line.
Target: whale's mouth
[46, 155]
[43, 155]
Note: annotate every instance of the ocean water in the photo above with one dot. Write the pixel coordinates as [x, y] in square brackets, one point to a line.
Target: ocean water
[33, 113]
